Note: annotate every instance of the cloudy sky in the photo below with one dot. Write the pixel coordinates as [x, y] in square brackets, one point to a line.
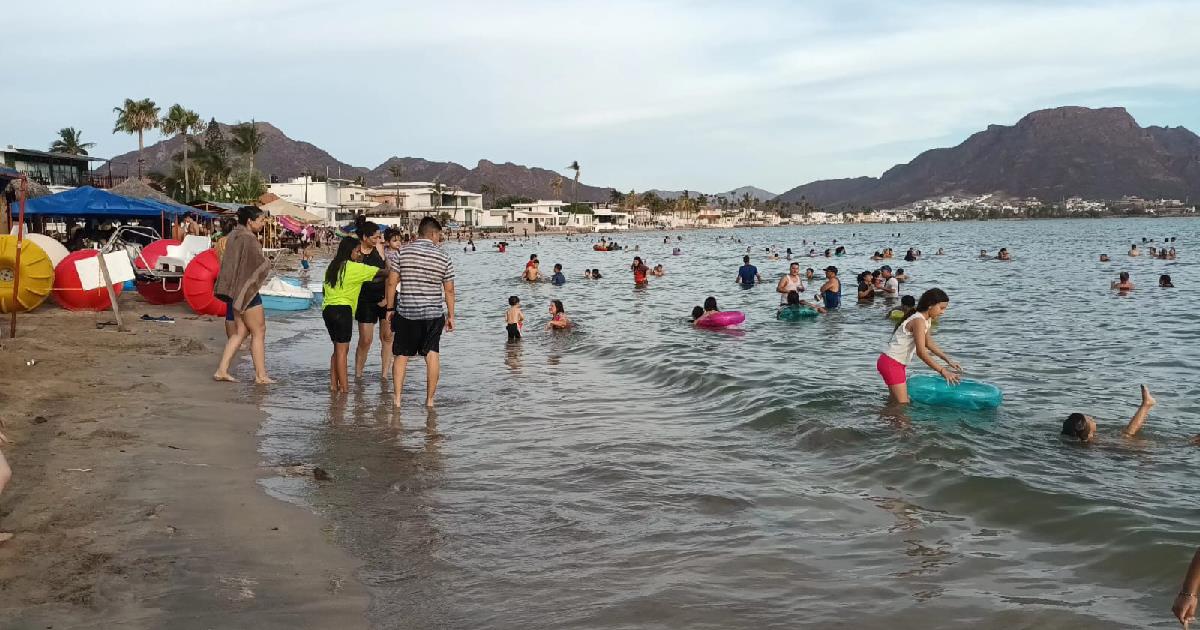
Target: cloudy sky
[668, 94]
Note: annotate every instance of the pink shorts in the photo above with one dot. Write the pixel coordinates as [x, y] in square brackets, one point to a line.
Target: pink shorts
[892, 371]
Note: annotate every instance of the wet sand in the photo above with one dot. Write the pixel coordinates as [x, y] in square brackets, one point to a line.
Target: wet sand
[135, 500]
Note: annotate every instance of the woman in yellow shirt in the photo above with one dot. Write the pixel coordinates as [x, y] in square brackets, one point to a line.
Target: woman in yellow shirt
[343, 282]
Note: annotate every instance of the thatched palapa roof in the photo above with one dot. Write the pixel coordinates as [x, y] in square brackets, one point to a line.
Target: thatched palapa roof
[139, 189]
[32, 191]
[385, 209]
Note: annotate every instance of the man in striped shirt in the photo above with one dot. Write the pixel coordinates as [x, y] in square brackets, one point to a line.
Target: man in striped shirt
[420, 300]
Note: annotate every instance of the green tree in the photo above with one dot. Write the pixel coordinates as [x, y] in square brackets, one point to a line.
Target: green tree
[247, 141]
[615, 197]
[137, 117]
[181, 122]
[70, 141]
[214, 140]
[396, 170]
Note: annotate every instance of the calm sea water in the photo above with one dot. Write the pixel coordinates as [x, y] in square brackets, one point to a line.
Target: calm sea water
[639, 473]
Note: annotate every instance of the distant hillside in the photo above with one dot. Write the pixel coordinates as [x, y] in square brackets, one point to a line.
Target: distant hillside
[284, 157]
[281, 156]
[736, 193]
[1049, 154]
[503, 179]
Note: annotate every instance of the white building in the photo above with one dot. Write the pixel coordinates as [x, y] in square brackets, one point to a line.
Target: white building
[420, 199]
[598, 220]
[335, 200]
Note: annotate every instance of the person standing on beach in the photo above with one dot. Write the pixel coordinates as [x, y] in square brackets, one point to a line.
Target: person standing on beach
[791, 282]
[420, 294]
[371, 306]
[747, 275]
[244, 269]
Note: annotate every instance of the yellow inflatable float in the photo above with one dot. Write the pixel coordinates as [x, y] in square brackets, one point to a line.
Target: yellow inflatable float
[36, 275]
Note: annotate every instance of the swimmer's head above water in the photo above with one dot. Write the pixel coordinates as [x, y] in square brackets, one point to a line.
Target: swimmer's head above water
[1078, 425]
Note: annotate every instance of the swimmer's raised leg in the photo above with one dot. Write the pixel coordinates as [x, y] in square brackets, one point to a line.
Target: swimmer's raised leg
[1139, 418]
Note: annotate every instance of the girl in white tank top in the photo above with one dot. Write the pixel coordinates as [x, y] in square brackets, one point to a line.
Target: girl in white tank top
[902, 346]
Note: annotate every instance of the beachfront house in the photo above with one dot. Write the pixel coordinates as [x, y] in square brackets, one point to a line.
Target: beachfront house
[597, 219]
[714, 217]
[57, 171]
[335, 200]
[414, 200]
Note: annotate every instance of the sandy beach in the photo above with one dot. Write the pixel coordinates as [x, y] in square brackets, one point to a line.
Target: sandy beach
[135, 500]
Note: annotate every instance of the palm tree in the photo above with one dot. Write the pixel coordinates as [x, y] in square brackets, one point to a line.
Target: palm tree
[247, 141]
[182, 122]
[574, 187]
[397, 172]
[615, 197]
[485, 190]
[556, 186]
[137, 117]
[69, 141]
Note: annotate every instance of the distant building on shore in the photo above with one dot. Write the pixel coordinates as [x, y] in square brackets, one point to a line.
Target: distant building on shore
[333, 199]
[56, 171]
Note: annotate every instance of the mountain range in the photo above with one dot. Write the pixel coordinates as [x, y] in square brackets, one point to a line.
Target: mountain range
[1050, 154]
[283, 157]
[732, 195]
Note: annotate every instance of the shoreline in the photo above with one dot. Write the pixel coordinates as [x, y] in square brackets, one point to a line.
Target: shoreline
[135, 499]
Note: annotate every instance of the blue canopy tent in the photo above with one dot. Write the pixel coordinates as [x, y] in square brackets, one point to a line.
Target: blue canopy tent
[89, 202]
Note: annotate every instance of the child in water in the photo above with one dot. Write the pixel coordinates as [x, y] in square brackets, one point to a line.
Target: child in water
[305, 257]
[710, 307]
[1164, 281]
[908, 304]
[1083, 427]
[910, 337]
[1123, 282]
[795, 304]
[344, 279]
[558, 316]
[514, 318]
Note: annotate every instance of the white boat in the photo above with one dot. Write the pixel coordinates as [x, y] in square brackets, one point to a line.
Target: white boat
[280, 295]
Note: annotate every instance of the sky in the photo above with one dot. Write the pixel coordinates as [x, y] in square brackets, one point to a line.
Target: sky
[669, 94]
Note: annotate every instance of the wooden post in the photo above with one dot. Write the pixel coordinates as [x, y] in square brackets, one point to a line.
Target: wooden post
[112, 295]
[12, 321]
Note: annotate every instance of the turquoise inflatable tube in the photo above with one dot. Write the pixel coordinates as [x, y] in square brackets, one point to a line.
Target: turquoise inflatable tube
[968, 394]
[793, 314]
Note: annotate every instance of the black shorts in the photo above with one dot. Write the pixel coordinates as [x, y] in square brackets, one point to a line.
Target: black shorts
[416, 336]
[514, 332]
[370, 312]
[339, 321]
